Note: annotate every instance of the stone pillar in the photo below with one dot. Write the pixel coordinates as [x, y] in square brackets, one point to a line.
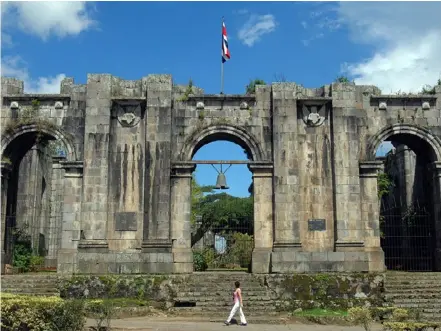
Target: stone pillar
[70, 227]
[263, 217]
[56, 211]
[436, 171]
[96, 159]
[5, 170]
[157, 200]
[181, 217]
[345, 116]
[370, 214]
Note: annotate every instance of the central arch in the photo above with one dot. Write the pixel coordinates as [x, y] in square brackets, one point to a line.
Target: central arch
[229, 133]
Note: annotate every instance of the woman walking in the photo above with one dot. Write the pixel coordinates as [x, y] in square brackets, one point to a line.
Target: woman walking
[238, 304]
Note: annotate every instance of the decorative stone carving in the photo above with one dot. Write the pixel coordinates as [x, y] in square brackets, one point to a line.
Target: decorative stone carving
[314, 115]
[200, 105]
[14, 105]
[59, 105]
[128, 113]
[382, 106]
[243, 105]
[426, 105]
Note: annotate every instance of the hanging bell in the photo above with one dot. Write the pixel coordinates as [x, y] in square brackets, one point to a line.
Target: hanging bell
[221, 182]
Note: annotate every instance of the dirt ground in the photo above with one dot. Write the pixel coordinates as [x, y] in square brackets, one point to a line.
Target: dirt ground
[210, 324]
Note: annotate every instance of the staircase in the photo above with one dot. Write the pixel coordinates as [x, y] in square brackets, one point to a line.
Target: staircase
[30, 284]
[416, 290]
[212, 292]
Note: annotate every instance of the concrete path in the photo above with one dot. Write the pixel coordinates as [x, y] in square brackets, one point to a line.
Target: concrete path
[192, 324]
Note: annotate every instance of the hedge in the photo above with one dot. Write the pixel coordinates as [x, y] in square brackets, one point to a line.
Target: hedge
[23, 313]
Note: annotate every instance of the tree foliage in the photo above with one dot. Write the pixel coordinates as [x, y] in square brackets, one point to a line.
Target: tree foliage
[251, 87]
[428, 89]
[197, 194]
[221, 212]
[384, 184]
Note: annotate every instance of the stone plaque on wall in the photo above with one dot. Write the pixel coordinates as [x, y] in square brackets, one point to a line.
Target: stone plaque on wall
[126, 221]
[316, 225]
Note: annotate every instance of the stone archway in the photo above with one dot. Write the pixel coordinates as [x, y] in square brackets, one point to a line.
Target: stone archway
[14, 145]
[181, 175]
[418, 139]
[55, 133]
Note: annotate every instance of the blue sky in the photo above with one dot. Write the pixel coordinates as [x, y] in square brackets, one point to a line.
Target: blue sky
[395, 46]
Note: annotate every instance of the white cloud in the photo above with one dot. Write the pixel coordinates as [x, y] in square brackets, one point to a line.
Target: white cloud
[256, 26]
[44, 19]
[406, 38]
[14, 66]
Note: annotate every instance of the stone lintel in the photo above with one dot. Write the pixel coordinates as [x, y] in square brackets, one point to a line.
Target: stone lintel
[58, 159]
[286, 245]
[261, 169]
[223, 97]
[314, 101]
[156, 245]
[404, 97]
[95, 246]
[40, 97]
[370, 168]
[182, 169]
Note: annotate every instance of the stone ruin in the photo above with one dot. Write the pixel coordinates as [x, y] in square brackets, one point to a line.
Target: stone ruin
[114, 194]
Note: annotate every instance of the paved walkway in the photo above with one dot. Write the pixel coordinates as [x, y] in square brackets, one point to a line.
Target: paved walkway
[187, 324]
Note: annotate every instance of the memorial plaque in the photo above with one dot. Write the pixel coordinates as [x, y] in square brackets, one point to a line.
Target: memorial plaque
[126, 221]
[317, 225]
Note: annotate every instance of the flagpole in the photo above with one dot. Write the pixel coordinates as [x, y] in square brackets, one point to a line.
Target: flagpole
[222, 60]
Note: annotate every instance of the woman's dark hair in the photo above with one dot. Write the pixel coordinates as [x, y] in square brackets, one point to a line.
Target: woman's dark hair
[237, 284]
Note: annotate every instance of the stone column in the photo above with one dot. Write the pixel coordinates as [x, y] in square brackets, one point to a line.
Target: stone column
[56, 211]
[263, 217]
[96, 162]
[345, 119]
[5, 170]
[71, 219]
[370, 214]
[181, 216]
[436, 171]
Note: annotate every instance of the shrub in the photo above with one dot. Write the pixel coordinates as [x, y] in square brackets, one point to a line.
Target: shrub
[361, 316]
[102, 311]
[199, 262]
[400, 315]
[41, 313]
[242, 249]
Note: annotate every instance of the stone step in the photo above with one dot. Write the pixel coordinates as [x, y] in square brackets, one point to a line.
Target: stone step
[221, 299]
[414, 295]
[418, 283]
[30, 290]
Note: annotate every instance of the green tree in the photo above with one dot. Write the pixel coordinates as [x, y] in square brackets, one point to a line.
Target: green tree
[251, 87]
[342, 79]
[428, 89]
[197, 194]
[223, 212]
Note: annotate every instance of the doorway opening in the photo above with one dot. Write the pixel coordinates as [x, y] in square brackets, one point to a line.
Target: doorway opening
[31, 189]
[406, 196]
[222, 208]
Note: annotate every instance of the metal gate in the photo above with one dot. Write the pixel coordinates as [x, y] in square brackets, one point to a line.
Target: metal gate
[407, 237]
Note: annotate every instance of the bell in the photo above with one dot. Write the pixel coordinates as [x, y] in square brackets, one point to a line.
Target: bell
[221, 182]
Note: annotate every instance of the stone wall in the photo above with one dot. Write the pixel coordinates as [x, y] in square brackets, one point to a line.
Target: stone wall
[286, 292]
[123, 189]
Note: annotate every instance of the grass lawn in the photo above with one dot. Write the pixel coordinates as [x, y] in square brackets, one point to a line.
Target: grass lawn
[321, 312]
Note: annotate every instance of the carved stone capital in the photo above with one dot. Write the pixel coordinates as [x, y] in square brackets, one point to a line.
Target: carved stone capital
[435, 167]
[182, 169]
[72, 168]
[261, 169]
[6, 168]
[370, 168]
